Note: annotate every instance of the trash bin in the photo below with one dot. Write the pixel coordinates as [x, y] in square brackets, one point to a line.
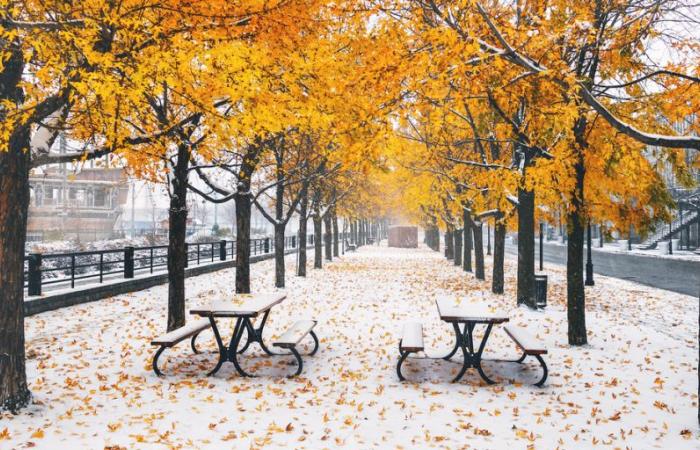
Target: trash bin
[541, 290]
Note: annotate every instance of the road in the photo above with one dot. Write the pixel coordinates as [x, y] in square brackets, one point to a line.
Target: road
[681, 276]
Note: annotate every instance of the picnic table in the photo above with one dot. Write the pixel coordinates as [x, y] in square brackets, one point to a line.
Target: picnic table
[464, 317]
[244, 309]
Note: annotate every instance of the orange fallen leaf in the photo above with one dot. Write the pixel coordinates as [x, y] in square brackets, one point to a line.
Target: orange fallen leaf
[38, 434]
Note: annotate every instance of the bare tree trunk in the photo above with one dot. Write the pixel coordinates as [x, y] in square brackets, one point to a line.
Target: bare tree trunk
[243, 206]
[526, 248]
[14, 204]
[468, 224]
[303, 211]
[499, 247]
[279, 255]
[336, 238]
[280, 226]
[449, 244]
[318, 240]
[478, 250]
[328, 237]
[361, 227]
[177, 234]
[576, 297]
[458, 247]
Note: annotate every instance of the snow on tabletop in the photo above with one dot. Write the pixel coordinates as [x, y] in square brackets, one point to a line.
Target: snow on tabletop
[633, 386]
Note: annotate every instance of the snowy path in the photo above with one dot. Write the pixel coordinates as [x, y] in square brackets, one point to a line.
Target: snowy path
[634, 385]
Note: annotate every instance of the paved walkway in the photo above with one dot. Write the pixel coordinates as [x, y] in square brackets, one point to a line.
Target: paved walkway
[675, 275]
[634, 385]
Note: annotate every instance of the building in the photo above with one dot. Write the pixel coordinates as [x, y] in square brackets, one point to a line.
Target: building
[83, 205]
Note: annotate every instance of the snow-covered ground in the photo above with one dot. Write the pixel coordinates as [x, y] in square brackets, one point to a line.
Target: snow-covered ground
[633, 386]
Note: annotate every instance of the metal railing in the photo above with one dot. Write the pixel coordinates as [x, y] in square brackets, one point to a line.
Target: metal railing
[68, 268]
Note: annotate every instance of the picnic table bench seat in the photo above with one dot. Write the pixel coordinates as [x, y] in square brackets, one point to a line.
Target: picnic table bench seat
[411, 342]
[350, 247]
[176, 336]
[293, 335]
[531, 346]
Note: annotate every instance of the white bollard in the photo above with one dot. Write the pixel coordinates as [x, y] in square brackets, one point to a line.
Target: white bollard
[624, 244]
[662, 248]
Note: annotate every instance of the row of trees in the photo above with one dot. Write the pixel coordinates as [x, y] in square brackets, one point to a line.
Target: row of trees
[250, 102]
[519, 112]
[454, 113]
[514, 113]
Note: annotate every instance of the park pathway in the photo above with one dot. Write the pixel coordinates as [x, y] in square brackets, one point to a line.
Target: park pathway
[681, 275]
[633, 385]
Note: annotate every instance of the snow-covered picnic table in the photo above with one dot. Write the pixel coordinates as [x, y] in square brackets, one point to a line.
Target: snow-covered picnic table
[468, 315]
[244, 309]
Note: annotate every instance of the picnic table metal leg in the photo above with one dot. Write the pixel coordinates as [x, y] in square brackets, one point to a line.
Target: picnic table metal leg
[472, 359]
[255, 335]
[477, 359]
[453, 351]
[403, 357]
[469, 334]
[467, 359]
[247, 343]
[544, 368]
[154, 363]
[222, 348]
[241, 324]
[300, 364]
[316, 345]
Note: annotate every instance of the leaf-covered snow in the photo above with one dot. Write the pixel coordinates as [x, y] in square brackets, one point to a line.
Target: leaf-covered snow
[633, 386]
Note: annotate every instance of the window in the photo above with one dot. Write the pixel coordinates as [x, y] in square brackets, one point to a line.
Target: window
[100, 198]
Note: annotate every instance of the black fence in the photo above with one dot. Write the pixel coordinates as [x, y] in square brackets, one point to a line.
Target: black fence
[98, 265]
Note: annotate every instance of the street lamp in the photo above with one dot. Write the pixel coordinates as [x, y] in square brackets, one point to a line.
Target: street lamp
[541, 245]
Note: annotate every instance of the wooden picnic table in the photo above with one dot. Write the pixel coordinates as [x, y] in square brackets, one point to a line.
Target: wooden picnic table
[468, 315]
[244, 308]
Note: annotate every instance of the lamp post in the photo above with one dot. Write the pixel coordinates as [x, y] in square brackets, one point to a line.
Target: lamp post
[541, 245]
[589, 261]
[680, 235]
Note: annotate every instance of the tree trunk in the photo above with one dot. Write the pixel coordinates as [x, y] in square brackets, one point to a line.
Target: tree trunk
[449, 244]
[457, 234]
[14, 204]
[526, 248]
[479, 250]
[362, 232]
[280, 224]
[279, 255]
[318, 241]
[576, 298]
[499, 247]
[303, 208]
[243, 204]
[336, 238]
[328, 237]
[468, 245]
[177, 235]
